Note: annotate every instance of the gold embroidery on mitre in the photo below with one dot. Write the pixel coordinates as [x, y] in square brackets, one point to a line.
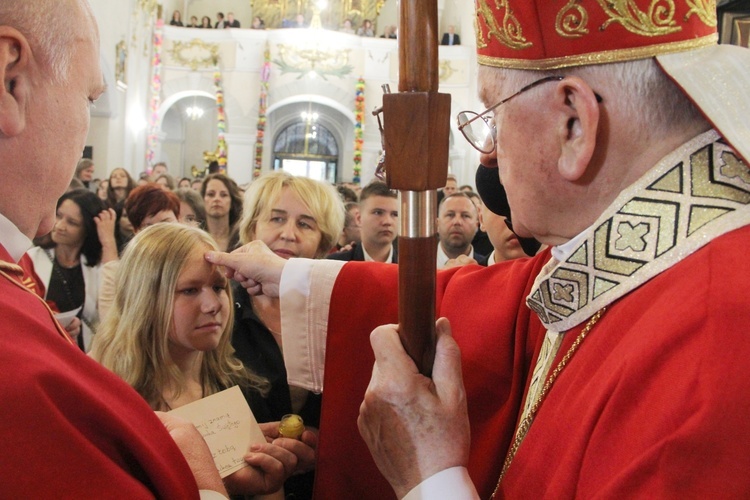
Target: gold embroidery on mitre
[571, 21]
[704, 9]
[481, 44]
[509, 33]
[603, 57]
[656, 21]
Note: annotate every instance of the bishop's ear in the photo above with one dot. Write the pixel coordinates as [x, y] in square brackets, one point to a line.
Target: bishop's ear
[14, 62]
[578, 126]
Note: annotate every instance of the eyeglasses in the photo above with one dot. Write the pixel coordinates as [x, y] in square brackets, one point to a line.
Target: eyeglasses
[480, 130]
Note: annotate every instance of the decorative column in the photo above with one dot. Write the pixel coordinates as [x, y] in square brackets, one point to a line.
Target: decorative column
[359, 115]
[221, 121]
[155, 100]
[265, 75]
[241, 145]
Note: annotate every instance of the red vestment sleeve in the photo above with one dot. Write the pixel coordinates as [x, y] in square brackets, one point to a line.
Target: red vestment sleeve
[491, 325]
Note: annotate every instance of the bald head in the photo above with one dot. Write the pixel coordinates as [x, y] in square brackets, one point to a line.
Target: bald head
[49, 65]
[50, 27]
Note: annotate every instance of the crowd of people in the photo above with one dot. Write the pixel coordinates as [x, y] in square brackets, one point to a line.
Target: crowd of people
[609, 364]
[365, 29]
[221, 22]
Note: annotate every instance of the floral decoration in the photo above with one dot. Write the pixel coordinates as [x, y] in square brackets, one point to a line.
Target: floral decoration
[359, 115]
[221, 122]
[155, 101]
[265, 74]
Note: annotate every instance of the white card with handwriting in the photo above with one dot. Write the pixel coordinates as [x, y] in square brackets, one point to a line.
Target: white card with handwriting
[228, 426]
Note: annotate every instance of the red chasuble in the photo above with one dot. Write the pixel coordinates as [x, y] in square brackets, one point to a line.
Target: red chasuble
[71, 428]
[655, 403]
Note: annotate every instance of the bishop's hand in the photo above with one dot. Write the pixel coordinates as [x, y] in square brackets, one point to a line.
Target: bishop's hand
[254, 266]
[414, 426]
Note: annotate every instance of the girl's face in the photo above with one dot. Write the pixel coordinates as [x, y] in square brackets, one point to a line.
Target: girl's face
[288, 227]
[69, 229]
[162, 181]
[217, 199]
[187, 215]
[201, 306]
[118, 178]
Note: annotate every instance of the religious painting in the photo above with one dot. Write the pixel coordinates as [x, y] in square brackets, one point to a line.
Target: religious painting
[121, 65]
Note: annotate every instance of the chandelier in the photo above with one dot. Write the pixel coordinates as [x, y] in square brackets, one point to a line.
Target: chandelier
[194, 112]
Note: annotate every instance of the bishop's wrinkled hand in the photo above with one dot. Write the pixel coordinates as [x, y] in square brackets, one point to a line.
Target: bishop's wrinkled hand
[414, 426]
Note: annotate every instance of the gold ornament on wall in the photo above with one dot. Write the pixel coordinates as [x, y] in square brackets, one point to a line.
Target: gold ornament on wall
[149, 7]
[324, 62]
[196, 54]
[445, 71]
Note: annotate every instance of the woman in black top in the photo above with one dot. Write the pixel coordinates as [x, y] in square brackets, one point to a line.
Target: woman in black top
[69, 265]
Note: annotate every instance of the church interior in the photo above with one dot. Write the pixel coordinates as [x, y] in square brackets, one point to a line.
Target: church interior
[256, 100]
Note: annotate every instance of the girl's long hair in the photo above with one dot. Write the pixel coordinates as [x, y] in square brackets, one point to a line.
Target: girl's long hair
[132, 341]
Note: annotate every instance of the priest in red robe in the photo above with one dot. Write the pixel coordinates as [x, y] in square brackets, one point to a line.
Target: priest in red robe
[71, 429]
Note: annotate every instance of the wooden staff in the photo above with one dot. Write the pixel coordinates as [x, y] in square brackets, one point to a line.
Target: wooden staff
[416, 130]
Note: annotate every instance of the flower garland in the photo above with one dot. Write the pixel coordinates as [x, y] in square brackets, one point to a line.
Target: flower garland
[265, 74]
[221, 122]
[359, 116]
[155, 102]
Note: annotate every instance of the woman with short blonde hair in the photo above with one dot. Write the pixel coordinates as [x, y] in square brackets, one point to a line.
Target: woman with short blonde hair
[321, 199]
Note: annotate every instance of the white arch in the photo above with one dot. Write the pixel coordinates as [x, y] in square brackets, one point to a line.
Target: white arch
[177, 96]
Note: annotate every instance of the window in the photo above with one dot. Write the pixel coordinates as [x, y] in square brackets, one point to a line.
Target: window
[307, 148]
